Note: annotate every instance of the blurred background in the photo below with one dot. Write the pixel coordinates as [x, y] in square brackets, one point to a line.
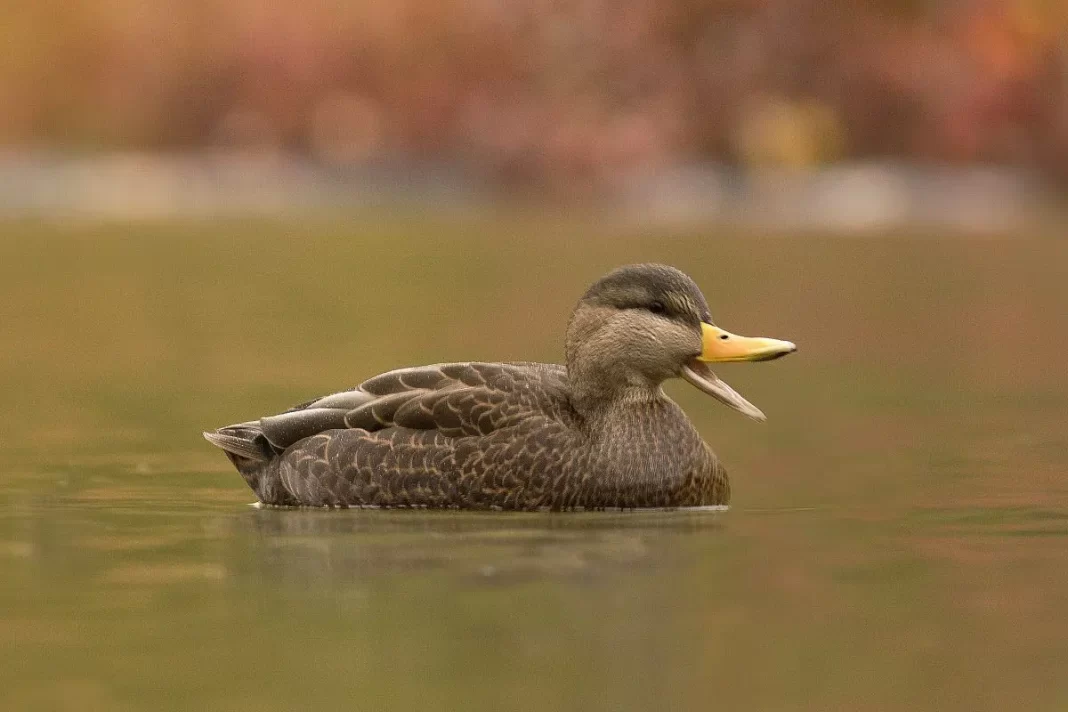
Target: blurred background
[210, 211]
[755, 111]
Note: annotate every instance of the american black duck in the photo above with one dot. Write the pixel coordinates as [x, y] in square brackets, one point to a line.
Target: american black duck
[598, 432]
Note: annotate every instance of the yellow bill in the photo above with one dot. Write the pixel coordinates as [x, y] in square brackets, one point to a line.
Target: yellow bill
[719, 346]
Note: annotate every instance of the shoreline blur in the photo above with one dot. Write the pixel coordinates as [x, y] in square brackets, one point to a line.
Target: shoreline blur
[848, 197]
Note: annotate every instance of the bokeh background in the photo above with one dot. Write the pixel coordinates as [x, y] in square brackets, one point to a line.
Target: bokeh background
[212, 210]
[672, 107]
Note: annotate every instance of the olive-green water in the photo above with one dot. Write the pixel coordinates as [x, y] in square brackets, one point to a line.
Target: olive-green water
[898, 537]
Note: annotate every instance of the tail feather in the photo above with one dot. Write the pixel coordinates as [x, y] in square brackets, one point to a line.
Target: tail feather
[245, 441]
[248, 449]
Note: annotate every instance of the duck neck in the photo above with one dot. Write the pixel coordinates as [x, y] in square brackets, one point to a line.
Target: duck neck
[597, 393]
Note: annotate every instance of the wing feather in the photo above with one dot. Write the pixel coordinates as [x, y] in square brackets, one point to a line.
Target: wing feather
[453, 400]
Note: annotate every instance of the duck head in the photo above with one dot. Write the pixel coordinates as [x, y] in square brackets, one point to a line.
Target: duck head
[642, 324]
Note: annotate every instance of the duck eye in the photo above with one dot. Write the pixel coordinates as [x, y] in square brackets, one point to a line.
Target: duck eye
[657, 308]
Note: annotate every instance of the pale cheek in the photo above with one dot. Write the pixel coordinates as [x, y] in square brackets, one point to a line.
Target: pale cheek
[681, 343]
[646, 343]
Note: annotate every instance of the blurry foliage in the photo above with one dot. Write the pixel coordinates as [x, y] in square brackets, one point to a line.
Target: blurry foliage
[568, 91]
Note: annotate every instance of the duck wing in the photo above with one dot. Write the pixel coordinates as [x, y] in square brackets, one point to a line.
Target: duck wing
[453, 399]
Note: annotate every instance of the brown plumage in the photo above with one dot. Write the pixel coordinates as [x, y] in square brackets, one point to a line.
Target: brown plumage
[597, 433]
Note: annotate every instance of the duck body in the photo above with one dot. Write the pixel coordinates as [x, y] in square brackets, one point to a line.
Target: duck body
[477, 436]
[597, 433]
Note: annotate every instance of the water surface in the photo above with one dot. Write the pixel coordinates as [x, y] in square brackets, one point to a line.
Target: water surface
[898, 537]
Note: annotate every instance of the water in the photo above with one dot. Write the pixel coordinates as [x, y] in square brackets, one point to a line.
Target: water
[898, 537]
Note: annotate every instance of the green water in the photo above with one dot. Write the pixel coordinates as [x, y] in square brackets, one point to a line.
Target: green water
[898, 540]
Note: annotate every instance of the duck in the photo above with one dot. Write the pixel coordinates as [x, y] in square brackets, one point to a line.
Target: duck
[597, 432]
